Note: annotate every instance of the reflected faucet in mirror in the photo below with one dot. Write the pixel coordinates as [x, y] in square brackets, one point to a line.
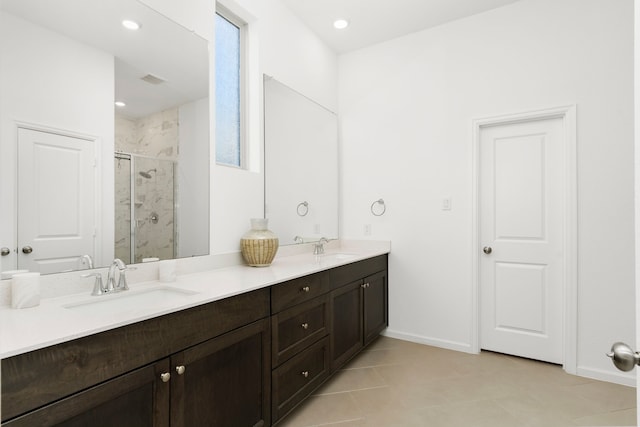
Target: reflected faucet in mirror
[86, 262]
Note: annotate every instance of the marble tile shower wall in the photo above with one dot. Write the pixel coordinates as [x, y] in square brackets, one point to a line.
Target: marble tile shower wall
[155, 140]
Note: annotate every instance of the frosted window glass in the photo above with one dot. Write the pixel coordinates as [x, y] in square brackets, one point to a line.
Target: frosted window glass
[227, 92]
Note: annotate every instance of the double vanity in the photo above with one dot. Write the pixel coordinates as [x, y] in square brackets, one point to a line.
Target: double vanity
[235, 346]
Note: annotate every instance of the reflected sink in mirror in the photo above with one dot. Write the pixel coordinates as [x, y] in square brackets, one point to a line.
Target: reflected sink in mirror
[132, 299]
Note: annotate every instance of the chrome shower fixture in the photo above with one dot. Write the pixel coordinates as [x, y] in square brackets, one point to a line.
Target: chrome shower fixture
[147, 174]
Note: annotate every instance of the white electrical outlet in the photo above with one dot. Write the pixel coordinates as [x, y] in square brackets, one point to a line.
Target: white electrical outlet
[367, 229]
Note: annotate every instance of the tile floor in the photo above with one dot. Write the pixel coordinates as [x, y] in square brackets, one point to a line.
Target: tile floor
[398, 383]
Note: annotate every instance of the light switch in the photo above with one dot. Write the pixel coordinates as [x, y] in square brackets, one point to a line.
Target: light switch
[446, 204]
[367, 229]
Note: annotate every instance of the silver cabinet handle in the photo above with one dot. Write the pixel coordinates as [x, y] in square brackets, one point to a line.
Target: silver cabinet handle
[305, 374]
[365, 285]
[305, 289]
[180, 369]
[165, 377]
[27, 249]
[5, 251]
[487, 250]
[305, 326]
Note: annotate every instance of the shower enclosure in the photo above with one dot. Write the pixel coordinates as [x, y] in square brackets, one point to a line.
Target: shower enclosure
[145, 208]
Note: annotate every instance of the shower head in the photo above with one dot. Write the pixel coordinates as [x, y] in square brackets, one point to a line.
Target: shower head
[147, 174]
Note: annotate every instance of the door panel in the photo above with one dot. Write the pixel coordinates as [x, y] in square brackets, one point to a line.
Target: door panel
[520, 297]
[56, 201]
[519, 187]
[521, 205]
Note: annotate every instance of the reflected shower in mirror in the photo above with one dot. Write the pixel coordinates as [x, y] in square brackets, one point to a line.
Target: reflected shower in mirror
[140, 188]
[301, 165]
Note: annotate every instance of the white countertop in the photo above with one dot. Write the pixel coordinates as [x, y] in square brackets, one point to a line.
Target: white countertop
[50, 323]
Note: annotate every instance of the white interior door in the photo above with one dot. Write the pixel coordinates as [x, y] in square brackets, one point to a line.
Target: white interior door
[520, 269]
[56, 201]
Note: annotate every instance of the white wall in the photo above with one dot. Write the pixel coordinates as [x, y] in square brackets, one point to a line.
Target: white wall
[52, 81]
[406, 108]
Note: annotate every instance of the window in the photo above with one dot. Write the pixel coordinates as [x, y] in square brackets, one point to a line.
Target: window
[229, 89]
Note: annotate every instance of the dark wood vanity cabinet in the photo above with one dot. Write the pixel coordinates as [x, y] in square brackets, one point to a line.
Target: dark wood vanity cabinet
[300, 326]
[136, 399]
[319, 323]
[247, 360]
[359, 311]
[209, 365]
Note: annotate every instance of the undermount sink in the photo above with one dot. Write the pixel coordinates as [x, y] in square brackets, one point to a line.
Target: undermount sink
[132, 299]
[336, 256]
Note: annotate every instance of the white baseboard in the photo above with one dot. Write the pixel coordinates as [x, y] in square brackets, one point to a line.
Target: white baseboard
[436, 342]
[628, 379]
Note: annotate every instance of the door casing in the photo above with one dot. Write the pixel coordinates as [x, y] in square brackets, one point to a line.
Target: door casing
[570, 224]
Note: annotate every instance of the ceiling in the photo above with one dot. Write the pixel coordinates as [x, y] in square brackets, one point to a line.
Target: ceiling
[374, 21]
[161, 48]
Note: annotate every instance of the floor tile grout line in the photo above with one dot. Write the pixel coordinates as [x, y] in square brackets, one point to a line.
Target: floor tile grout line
[352, 390]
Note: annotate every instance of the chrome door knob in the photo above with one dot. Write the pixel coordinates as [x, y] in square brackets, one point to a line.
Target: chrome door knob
[487, 250]
[5, 251]
[623, 356]
[27, 249]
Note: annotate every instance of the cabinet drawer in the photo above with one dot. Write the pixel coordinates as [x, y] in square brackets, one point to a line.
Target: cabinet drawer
[296, 291]
[295, 328]
[297, 378]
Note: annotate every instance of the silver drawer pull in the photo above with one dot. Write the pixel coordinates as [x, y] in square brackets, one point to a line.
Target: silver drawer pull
[165, 377]
[305, 289]
[180, 369]
[305, 374]
[305, 326]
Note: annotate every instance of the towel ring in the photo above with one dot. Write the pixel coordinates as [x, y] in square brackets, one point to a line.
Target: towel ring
[303, 208]
[381, 203]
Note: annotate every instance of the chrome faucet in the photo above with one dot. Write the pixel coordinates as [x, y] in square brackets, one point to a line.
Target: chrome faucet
[318, 248]
[99, 288]
[111, 278]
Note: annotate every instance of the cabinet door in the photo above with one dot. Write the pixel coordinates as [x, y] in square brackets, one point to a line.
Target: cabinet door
[225, 381]
[137, 399]
[346, 312]
[376, 315]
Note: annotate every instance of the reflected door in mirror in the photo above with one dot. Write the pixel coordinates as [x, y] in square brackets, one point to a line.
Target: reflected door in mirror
[56, 201]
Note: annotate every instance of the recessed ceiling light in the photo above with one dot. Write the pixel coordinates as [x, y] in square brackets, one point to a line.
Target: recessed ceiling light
[120, 104]
[340, 24]
[131, 25]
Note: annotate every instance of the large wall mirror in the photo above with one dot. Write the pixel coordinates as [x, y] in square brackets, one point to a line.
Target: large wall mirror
[85, 181]
[301, 165]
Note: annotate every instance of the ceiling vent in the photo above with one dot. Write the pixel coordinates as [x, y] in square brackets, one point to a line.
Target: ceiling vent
[154, 80]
